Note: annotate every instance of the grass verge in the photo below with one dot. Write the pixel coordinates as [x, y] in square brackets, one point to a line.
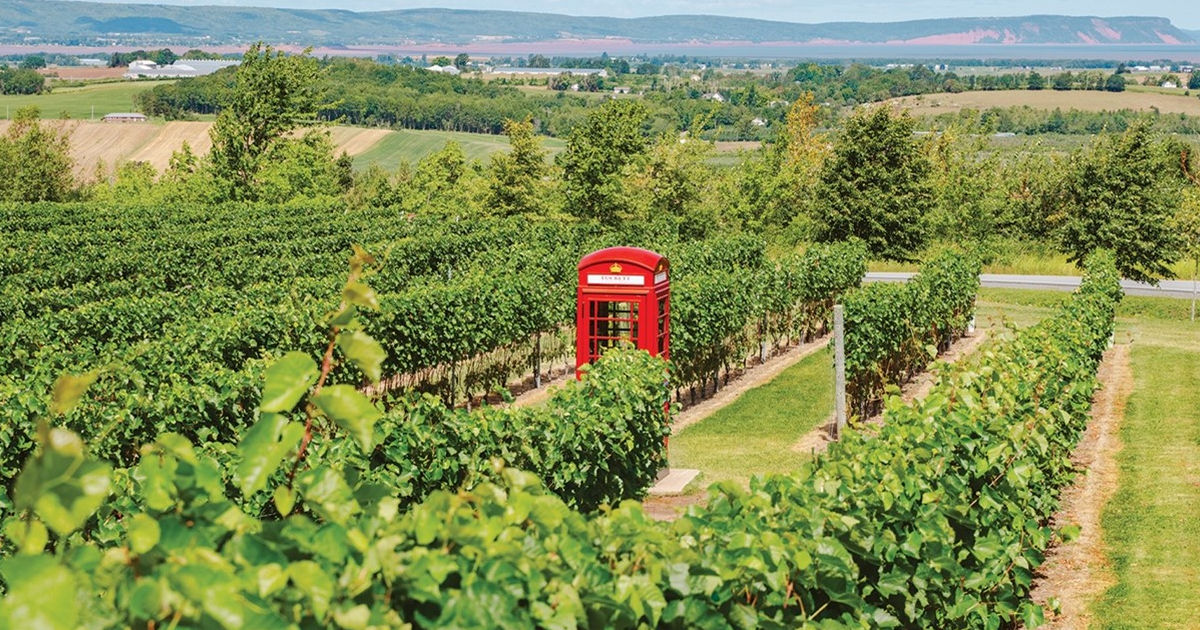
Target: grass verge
[1151, 525]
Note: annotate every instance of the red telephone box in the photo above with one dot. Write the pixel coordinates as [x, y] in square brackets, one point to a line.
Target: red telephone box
[624, 297]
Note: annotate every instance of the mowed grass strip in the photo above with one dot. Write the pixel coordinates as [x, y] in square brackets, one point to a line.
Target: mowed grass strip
[753, 435]
[1152, 525]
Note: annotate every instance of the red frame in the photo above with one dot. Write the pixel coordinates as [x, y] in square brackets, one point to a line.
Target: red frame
[624, 294]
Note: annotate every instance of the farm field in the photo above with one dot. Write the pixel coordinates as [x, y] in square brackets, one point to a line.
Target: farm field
[77, 103]
[932, 104]
[410, 145]
[113, 143]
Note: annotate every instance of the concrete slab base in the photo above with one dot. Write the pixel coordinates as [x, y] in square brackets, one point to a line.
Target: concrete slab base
[673, 482]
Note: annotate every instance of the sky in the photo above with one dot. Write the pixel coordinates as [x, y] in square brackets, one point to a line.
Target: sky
[1184, 13]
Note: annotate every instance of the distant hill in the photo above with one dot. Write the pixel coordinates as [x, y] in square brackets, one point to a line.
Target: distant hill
[82, 23]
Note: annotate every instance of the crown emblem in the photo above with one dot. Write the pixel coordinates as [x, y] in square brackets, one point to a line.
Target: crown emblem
[615, 268]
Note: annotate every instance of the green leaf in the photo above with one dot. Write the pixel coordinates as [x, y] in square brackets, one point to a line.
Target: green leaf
[262, 449]
[60, 484]
[364, 352]
[67, 391]
[285, 500]
[1069, 532]
[355, 618]
[311, 580]
[29, 535]
[359, 294]
[145, 601]
[41, 594]
[143, 532]
[286, 382]
[351, 410]
[327, 494]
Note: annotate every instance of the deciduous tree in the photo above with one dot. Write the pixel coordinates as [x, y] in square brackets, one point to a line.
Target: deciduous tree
[1118, 196]
[273, 95]
[35, 160]
[597, 151]
[876, 185]
[516, 185]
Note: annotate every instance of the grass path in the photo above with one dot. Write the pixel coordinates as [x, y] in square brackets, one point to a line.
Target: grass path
[1152, 525]
[751, 435]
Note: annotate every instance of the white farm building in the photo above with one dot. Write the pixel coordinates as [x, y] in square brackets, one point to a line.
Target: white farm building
[181, 69]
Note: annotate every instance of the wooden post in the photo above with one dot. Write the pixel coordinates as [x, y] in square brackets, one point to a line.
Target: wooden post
[839, 369]
[537, 360]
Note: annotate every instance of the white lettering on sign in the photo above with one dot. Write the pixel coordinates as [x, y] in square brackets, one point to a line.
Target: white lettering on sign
[607, 278]
[660, 276]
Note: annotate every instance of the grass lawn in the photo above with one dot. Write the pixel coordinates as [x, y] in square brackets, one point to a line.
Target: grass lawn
[753, 435]
[1152, 524]
[408, 145]
[77, 102]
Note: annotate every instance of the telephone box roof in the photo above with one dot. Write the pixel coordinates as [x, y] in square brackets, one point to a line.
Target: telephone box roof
[634, 255]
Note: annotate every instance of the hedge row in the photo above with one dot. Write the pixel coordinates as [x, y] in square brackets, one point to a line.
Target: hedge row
[895, 330]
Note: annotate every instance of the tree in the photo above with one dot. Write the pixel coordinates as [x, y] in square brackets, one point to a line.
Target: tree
[21, 81]
[462, 60]
[35, 160]
[1115, 83]
[597, 150]
[441, 61]
[672, 183]
[1036, 81]
[272, 95]
[516, 185]
[876, 185]
[1194, 81]
[1118, 197]
[33, 62]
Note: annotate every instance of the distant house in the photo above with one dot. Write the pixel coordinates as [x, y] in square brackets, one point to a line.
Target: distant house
[622, 89]
[181, 69]
[444, 69]
[1187, 69]
[758, 122]
[714, 96]
[93, 63]
[1170, 85]
[124, 117]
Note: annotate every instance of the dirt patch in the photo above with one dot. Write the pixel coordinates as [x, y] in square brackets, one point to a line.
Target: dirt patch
[170, 138]
[817, 440]
[355, 140]
[1078, 572]
[671, 508]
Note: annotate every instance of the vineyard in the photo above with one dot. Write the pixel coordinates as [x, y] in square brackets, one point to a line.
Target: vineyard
[208, 458]
[180, 310]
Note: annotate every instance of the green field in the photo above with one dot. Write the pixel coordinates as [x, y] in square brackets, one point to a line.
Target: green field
[408, 145]
[77, 102]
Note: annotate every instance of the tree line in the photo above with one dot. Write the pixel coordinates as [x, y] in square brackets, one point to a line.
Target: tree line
[873, 178]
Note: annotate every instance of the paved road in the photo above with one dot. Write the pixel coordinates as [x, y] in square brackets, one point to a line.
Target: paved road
[1167, 288]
